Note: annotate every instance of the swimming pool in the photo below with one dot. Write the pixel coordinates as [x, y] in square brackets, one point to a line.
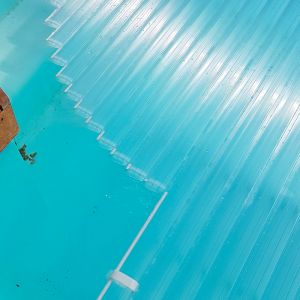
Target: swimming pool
[198, 100]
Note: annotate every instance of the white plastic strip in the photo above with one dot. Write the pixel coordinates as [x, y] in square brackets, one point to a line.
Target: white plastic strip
[133, 244]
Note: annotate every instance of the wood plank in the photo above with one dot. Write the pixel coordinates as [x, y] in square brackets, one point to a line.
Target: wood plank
[8, 123]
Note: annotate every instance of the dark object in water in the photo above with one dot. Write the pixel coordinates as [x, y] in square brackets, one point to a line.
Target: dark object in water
[25, 156]
[8, 124]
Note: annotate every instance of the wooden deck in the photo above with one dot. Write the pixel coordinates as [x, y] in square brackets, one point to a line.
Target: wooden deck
[8, 124]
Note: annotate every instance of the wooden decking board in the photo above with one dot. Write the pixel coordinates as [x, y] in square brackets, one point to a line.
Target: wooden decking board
[8, 124]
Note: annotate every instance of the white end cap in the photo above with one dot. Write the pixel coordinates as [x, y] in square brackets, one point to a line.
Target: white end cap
[124, 280]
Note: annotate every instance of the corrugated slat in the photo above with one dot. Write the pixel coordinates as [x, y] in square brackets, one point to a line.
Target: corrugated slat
[200, 98]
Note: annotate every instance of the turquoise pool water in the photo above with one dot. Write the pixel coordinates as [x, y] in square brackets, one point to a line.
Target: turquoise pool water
[66, 221]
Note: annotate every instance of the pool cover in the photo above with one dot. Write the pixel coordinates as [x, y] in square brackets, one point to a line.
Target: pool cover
[200, 99]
